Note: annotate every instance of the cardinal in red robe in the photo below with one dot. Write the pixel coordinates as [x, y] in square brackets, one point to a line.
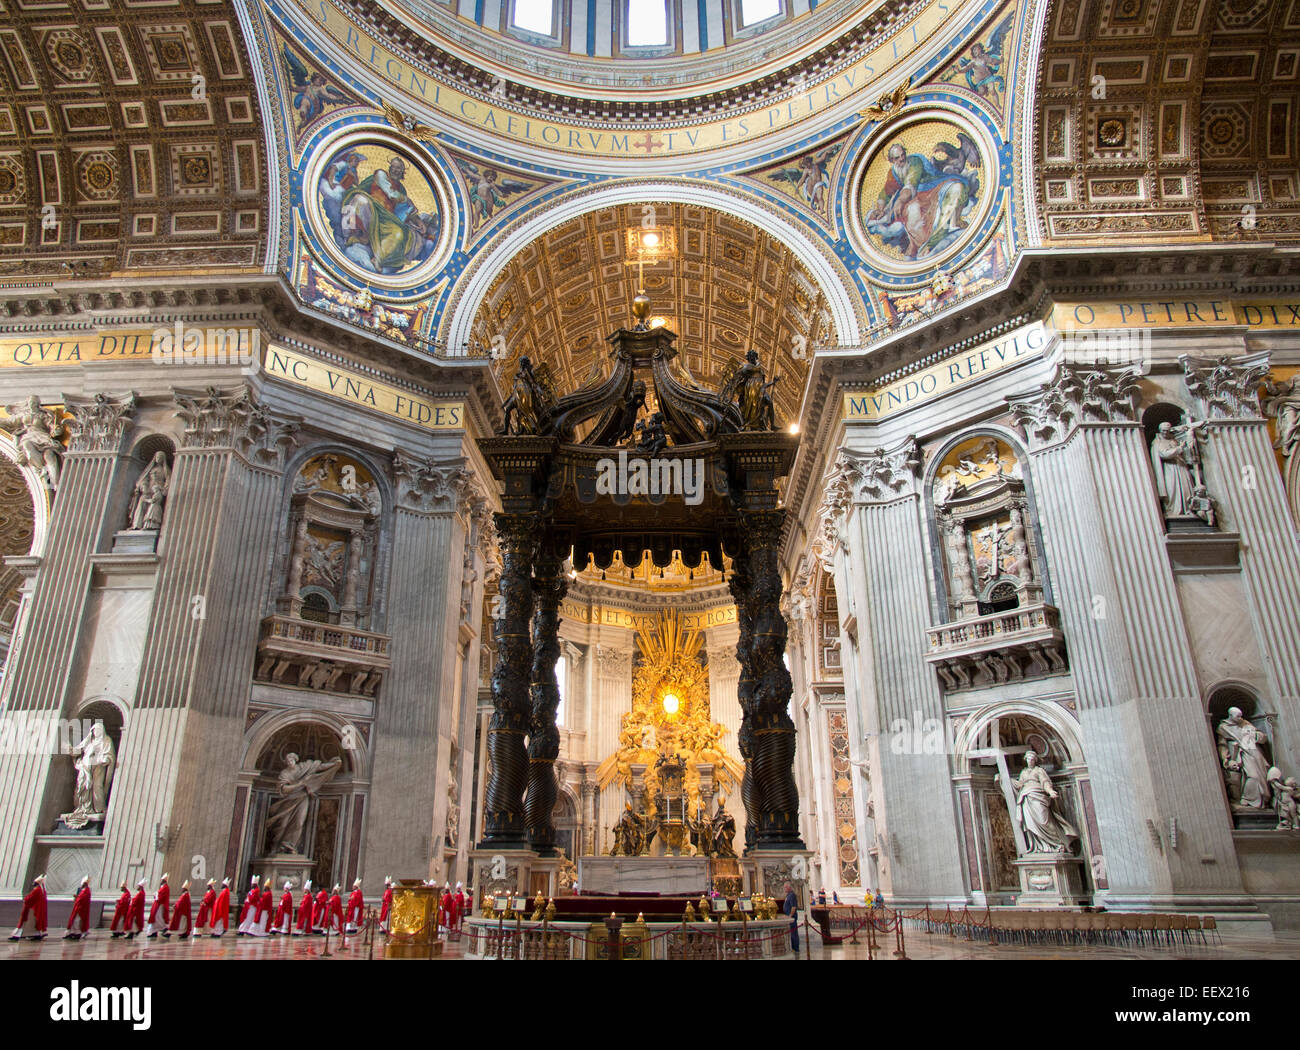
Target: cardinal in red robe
[206, 907]
[35, 905]
[304, 911]
[318, 912]
[448, 915]
[356, 908]
[284, 913]
[80, 911]
[248, 913]
[161, 908]
[334, 917]
[122, 912]
[181, 911]
[135, 921]
[386, 905]
[460, 904]
[221, 910]
[260, 920]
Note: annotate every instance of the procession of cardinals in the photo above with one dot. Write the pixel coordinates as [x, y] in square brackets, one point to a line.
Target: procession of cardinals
[260, 915]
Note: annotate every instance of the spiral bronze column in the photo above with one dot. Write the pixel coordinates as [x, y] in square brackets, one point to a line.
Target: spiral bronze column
[749, 794]
[503, 820]
[549, 587]
[772, 727]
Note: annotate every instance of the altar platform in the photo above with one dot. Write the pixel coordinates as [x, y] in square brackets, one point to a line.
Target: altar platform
[686, 876]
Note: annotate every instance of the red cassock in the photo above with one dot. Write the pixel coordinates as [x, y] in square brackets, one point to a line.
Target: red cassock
[304, 913]
[205, 908]
[122, 913]
[284, 913]
[161, 901]
[318, 912]
[136, 921]
[334, 918]
[448, 914]
[181, 911]
[460, 906]
[35, 903]
[221, 910]
[386, 905]
[356, 906]
[250, 904]
[264, 905]
[81, 910]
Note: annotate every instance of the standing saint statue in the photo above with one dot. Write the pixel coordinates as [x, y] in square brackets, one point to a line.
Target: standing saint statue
[94, 762]
[299, 784]
[1177, 462]
[36, 432]
[1046, 830]
[1244, 764]
[149, 495]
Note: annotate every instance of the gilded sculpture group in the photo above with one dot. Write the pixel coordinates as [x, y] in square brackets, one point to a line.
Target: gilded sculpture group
[709, 836]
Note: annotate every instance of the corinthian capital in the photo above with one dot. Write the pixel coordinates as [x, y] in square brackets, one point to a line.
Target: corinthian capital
[99, 422]
[1097, 393]
[428, 485]
[1227, 387]
[231, 418]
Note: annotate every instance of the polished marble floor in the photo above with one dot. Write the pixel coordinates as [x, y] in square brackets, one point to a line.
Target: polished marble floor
[917, 945]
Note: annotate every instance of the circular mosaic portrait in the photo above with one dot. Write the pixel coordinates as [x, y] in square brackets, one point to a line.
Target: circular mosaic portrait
[379, 210]
[922, 193]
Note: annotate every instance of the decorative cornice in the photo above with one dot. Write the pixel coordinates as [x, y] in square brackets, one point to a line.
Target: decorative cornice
[99, 422]
[1227, 387]
[1097, 393]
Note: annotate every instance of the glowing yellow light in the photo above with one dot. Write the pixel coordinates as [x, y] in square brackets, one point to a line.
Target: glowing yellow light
[794, 428]
[658, 322]
[671, 703]
[650, 240]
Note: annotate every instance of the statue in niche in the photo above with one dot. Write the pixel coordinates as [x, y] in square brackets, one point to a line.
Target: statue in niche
[145, 513]
[1244, 765]
[300, 782]
[324, 562]
[1176, 457]
[1046, 830]
[723, 832]
[95, 759]
[1283, 404]
[36, 432]
[651, 435]
[1285, 796]
[749, 387]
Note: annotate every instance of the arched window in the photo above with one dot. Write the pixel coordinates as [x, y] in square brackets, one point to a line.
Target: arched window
[536, 16]
[647, 23]
[752, 11]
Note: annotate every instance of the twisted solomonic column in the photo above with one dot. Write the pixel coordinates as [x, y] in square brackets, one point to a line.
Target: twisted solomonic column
[549, 587]
[749, 794]
[503, 820]
[772, 762]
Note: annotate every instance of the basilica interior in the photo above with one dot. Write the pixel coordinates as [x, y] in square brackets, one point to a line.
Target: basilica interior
[575, 447]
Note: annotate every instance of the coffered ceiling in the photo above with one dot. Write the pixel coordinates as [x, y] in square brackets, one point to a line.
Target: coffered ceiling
[130, 138]
[729, 287]
[1193, 128]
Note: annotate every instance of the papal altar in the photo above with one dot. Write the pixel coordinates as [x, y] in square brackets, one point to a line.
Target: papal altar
[667, 875]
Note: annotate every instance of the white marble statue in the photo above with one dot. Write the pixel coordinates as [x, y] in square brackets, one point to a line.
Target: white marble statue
[1244, 764]
[1177, 462]
[149, 495]
[1046, 830]
[95, 759]
[299, 783]
[36, 432]
[1286, 794]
